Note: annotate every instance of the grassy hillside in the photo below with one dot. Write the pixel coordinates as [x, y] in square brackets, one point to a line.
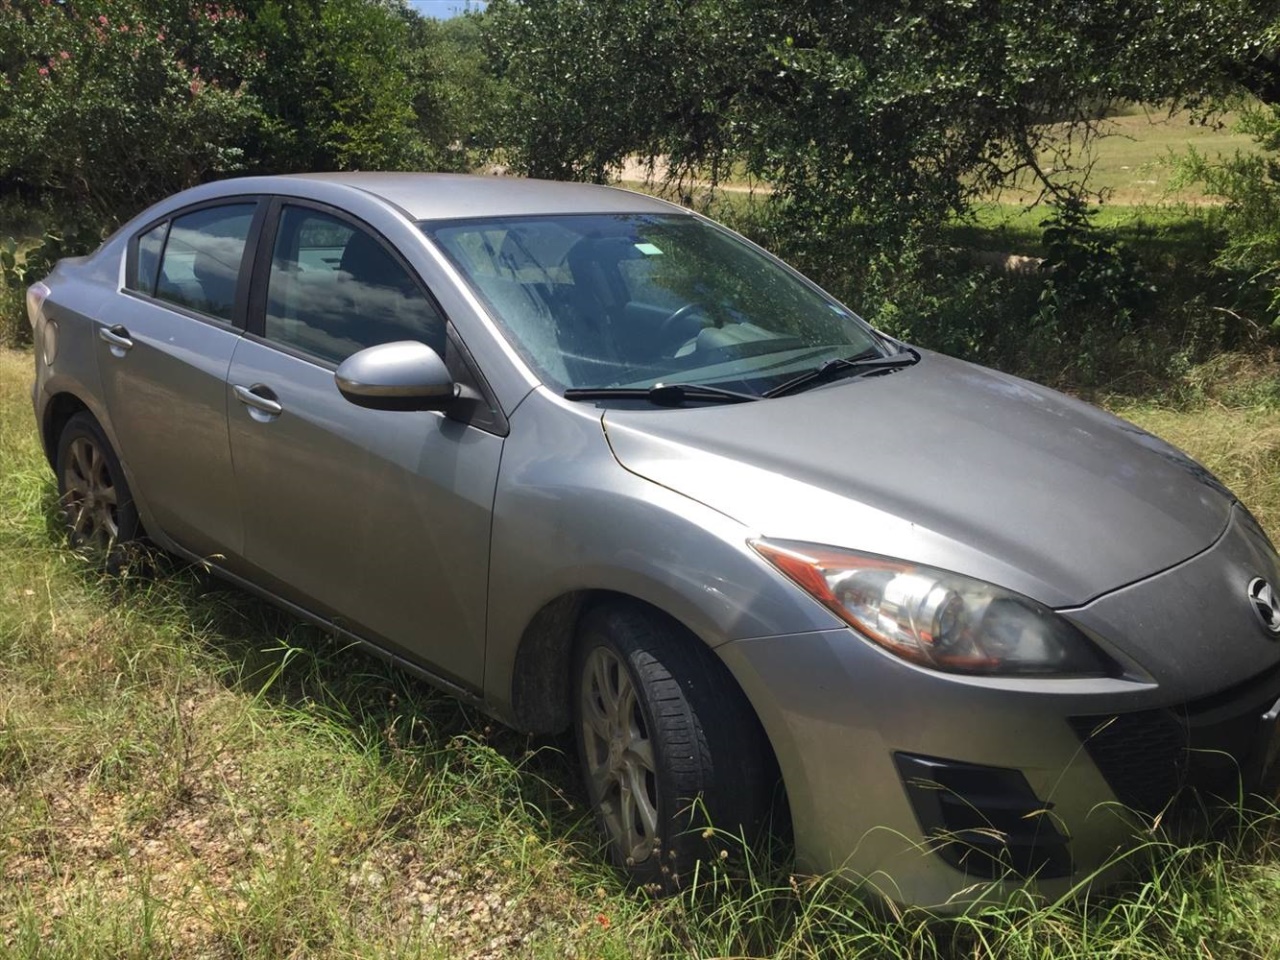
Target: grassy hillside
[1133, 161]
[186, 772]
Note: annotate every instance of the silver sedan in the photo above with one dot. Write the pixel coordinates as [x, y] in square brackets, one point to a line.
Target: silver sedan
[594, 463]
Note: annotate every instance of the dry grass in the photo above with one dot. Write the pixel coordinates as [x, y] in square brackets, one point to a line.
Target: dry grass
[1228, 418]
[186, 772]
[1241, 446]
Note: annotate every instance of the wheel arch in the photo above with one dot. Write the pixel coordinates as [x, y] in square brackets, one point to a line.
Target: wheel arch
[542, 682]
[61, 408]
[540, 678]
[56, 412]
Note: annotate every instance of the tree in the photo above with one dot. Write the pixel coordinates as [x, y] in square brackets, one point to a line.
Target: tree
[337, 87]
[890, 113]
[1249, 185]
[457, 96]
[105, 106]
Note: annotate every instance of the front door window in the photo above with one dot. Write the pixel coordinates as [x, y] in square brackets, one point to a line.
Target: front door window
[335, 289]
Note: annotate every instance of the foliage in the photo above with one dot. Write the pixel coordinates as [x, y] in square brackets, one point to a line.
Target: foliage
[593, 83]
[1127, 307]
[458, 94]
[1094, 292]
[19, 268]
[1250, 186]
[890, 113]
[13, 280]
[1249, 183]
[336, 87]
[109, 105]
[876, 125]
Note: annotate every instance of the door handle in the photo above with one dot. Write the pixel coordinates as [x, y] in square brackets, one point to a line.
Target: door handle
[116, 337]
[258, 398]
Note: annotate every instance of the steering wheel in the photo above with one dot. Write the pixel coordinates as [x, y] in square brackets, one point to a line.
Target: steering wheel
[670, 326]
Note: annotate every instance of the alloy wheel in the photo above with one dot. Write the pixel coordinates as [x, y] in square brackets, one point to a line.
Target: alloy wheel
[619, 755]
[89, 497]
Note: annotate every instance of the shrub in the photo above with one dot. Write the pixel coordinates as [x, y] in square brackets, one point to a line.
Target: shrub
[20, 268]
[106, 106]
[1250, 186]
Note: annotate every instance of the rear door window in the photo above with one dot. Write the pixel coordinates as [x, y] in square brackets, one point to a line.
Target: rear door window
[150, 246]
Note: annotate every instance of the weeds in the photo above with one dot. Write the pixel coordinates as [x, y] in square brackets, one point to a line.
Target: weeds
[185, 771]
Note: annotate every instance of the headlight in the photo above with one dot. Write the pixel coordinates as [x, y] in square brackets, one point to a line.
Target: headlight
[938, 619]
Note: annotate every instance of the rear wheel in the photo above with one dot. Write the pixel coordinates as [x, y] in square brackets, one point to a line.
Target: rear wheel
[668, 744]
[96, 503]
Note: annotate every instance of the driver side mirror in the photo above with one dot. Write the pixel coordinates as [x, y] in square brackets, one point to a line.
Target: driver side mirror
[403, 375]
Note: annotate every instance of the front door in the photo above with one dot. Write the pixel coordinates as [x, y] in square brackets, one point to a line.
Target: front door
[378, 520]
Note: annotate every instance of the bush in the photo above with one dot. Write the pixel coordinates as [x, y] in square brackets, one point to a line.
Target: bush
[106, 106]
[20, 268]
[1125, 310]
[109, 105]
[1250, 186]
[14, 331]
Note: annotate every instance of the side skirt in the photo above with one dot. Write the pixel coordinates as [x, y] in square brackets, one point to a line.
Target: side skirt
[465, 694]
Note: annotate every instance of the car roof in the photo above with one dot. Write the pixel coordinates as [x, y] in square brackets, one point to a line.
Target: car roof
[447, 196]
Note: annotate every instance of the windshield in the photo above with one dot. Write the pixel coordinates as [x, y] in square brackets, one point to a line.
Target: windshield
[631, 301]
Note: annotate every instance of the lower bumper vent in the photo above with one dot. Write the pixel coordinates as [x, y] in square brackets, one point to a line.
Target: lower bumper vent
[985, 821]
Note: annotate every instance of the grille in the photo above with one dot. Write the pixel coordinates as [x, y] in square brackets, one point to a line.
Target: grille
[1142, 756]
[1210, 747]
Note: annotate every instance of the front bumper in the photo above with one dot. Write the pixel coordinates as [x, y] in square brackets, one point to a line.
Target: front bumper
[839, 720]
[1063, 769]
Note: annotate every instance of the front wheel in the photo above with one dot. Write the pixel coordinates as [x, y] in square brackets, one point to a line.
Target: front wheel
[669, 745]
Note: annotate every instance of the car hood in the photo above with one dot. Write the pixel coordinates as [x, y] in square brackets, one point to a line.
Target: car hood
[947, 464]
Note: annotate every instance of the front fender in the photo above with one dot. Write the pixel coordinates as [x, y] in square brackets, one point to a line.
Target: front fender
[569, 518]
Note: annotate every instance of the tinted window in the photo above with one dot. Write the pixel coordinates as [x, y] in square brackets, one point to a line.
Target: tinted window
[335, 289]
[201, 260]
[150, 244]
[629, 300]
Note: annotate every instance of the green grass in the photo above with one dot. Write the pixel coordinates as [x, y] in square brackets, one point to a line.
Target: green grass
[1133, 163]
[1133, 167]
[1180, 231]
[185, 771]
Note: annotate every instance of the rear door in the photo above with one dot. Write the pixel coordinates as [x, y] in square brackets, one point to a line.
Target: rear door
[165, 348]
[378, 520]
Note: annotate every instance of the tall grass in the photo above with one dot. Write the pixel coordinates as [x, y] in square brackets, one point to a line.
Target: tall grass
[185, 771]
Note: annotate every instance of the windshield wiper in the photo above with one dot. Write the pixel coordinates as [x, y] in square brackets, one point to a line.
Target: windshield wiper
[863, 363]
[662, 394]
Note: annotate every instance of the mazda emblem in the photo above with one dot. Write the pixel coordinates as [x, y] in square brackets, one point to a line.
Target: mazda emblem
[1264, 603]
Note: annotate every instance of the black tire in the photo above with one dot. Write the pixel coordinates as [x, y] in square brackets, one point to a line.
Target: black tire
[95, 502]
[710, 762]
